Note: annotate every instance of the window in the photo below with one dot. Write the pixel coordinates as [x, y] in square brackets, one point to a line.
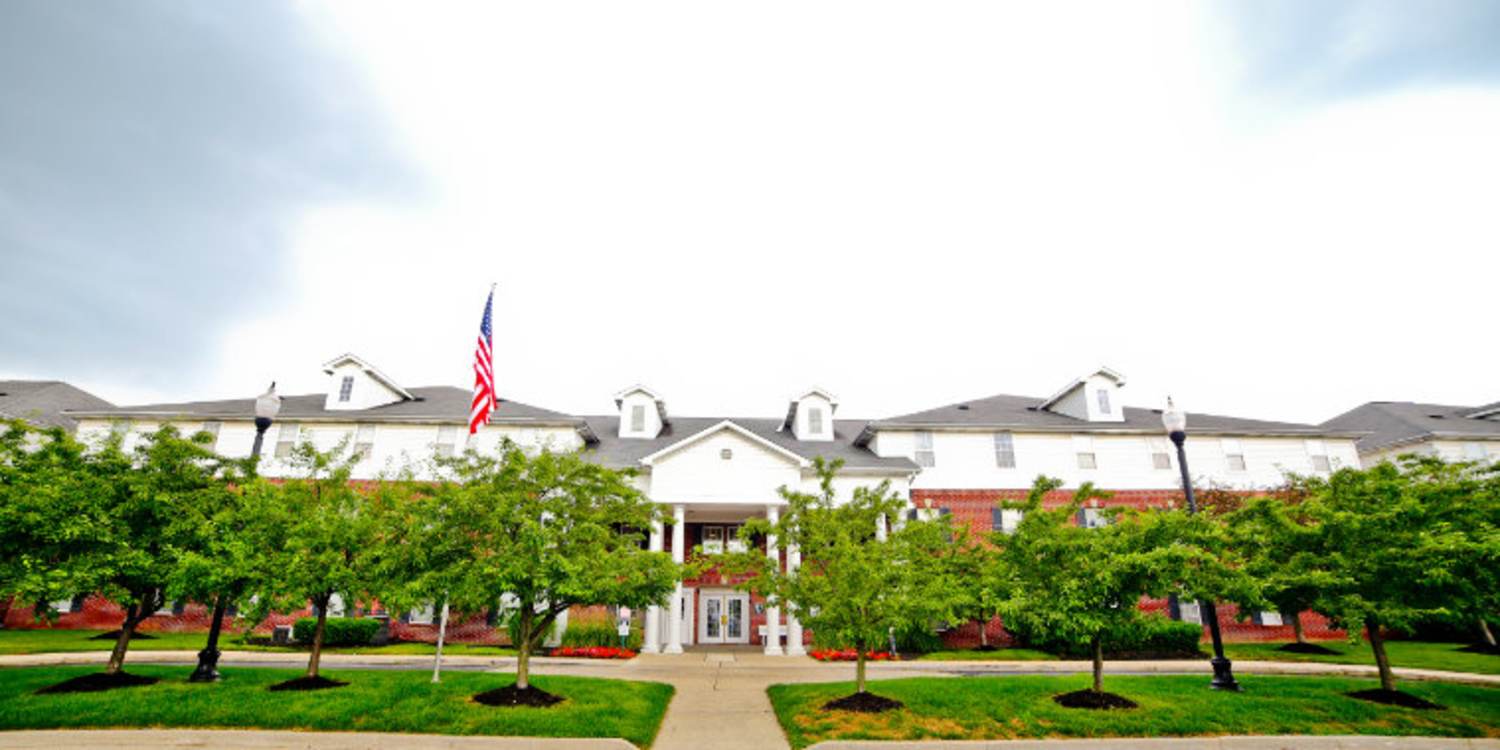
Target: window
[447, 438]
[1092, 518]
[1083, 445]
[1103, 401]
[638, 418]
[1321, 464]
[732, 541]
[713, 540]
[1005, 520]
[1088, 461]
[1234, 455]
[212, 428]
[1189, 612]
[1005, 450]
[286, 439]
[364, 441]
[1317, 452]
[1475, 452]
[815, 421]
[726, 453]
[1161, 460]
[925, 456]
[1269, 619]
[420, 615]
[346, 387]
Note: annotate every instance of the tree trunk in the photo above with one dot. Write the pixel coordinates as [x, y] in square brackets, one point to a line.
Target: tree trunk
[1377, 644]
[1098, 645]
[859, 667]
[1297, 627]
[127, 629]
[1489, 635]
[523, 649]
[984, 634]
[317, 644]
[437, 658]
[221, 604]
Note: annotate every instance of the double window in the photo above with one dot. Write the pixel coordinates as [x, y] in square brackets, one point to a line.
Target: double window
[286, 439]
[1005, 450]
[716, 539]
[925, 456]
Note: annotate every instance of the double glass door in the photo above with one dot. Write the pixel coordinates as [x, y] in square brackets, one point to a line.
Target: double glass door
[724, 618]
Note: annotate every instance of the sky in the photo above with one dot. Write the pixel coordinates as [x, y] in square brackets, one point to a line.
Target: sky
[1276, 209]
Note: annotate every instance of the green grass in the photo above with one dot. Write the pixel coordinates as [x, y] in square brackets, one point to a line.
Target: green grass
[1022, 706]
[1003, 654]
[374, 701]
[62, 641]
[1415, 654]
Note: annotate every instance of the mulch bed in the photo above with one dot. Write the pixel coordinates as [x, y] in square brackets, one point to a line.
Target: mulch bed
[308, 683]
[1395, 698]
[510, 695]
[865, 703]
[1094, 700]
[97, 682]
[1481, 648]
[1307, 648]
[114, 635]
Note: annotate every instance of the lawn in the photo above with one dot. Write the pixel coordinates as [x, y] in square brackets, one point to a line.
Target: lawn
[1416, 654]
[1022, 706]
[374, 701]
[1002, 654]
[56, 641]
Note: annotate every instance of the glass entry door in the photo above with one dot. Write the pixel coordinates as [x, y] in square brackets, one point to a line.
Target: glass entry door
[724, 617]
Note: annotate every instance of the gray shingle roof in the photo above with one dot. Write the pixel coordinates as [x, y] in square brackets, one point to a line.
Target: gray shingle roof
[1021, 413]
[440, 403]
[42, 402]
[612, 450]
[1392, 423]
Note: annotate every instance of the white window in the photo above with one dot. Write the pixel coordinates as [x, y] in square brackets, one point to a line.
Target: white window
[286, 439]
[447, 438]
[1317, 453]
[421, 615]
[1005, 450]
[1188, 612]
[638, 418]
[212, 428]
[346, 387]
[732, 541]
[1161, 457]
[1475, 452]
[1103, 401]
[815, 421]
[364, 441]
[713, 540]
[1234, 455]
[1088, 461]
[1005, 520]
[1092, 518]
[1269, 619]
[336, 606]
[1083, 446]
[925, 455]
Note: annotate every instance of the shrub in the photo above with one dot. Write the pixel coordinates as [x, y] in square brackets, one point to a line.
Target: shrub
[848, 654]
[337, 631]
[599, 633]
[593, 652]
[1147, 636]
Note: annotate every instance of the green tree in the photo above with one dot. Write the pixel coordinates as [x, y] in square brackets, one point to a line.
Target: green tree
[545, 532]
[853, 587]
[1279, 543]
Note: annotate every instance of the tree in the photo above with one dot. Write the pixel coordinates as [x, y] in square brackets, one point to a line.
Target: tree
[1080, 584]
[326, 540]
[852, 586]
[1279, 543]
[547, 532]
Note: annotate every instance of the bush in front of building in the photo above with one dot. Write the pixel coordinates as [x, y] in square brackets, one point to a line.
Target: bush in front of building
[338, 631]
[599, 633]
[1148, 636]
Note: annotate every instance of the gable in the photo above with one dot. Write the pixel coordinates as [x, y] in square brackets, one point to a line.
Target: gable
[723, 464]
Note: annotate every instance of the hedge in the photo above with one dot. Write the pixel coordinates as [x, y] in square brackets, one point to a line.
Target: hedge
[1148, 636]
[599, 633]
[337, 631]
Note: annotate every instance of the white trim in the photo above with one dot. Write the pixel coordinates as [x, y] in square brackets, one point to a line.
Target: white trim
[370, 370]
[724, 425]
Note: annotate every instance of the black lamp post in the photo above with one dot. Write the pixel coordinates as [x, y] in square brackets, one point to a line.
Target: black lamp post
[1175, 421]
[266, 407]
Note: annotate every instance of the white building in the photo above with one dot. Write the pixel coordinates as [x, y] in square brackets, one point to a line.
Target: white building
[715, 472]
[1394, 428]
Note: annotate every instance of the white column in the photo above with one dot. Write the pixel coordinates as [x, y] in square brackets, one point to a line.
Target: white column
[794, 645]
[773, 614]
[652, 643]
[674, 618]
[880, 529]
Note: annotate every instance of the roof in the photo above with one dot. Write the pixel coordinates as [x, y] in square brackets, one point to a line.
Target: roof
[440, 404]
[615, 451]
[1021, 413]
[42, 402]
[1395, 423]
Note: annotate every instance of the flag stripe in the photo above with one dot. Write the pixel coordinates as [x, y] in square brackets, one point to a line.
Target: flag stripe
[484, 372]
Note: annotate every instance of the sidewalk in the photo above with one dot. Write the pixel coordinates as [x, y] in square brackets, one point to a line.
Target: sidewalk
[236, 739]
[1186, 743]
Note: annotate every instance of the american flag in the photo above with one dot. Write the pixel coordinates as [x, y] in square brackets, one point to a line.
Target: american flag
[484, 372]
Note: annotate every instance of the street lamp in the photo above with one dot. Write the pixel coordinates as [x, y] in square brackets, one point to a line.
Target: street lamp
[1175, 422]
[267, 405]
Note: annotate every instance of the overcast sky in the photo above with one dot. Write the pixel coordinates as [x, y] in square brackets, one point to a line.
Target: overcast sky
[1267, 209]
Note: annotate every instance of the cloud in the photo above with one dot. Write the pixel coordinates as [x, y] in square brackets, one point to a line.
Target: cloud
[154, 158]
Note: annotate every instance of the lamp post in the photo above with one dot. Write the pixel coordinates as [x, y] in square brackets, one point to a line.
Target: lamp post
[1175, 422]
[267, 405]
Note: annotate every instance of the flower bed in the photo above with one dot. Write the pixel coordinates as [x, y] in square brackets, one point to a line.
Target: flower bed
[849, 654]
[593, 652]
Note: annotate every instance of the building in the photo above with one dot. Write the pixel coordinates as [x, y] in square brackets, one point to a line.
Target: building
[716, 472]
[43, 402]
[1394, 428]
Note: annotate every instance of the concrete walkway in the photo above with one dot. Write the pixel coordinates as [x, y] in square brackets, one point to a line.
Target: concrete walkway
[1289, 742]
[249, 739]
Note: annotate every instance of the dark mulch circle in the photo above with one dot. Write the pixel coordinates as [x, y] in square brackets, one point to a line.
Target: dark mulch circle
[865, 703]
[1094, 700]
[308, 683]
[510, 695]
[990, 647]
[1307, 648]
[114, 635]
[1481, 648]
[1395, 698]
[97, 682]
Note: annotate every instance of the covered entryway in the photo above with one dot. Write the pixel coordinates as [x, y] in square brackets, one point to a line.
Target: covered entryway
[723, 617]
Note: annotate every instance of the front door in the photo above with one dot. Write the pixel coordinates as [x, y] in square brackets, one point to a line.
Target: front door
[723, 617]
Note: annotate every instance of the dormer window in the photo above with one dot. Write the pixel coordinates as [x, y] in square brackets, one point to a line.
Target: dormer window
[643, 414]
[346, 387]
[815, 421]
[1103, 401]
[638, 418]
